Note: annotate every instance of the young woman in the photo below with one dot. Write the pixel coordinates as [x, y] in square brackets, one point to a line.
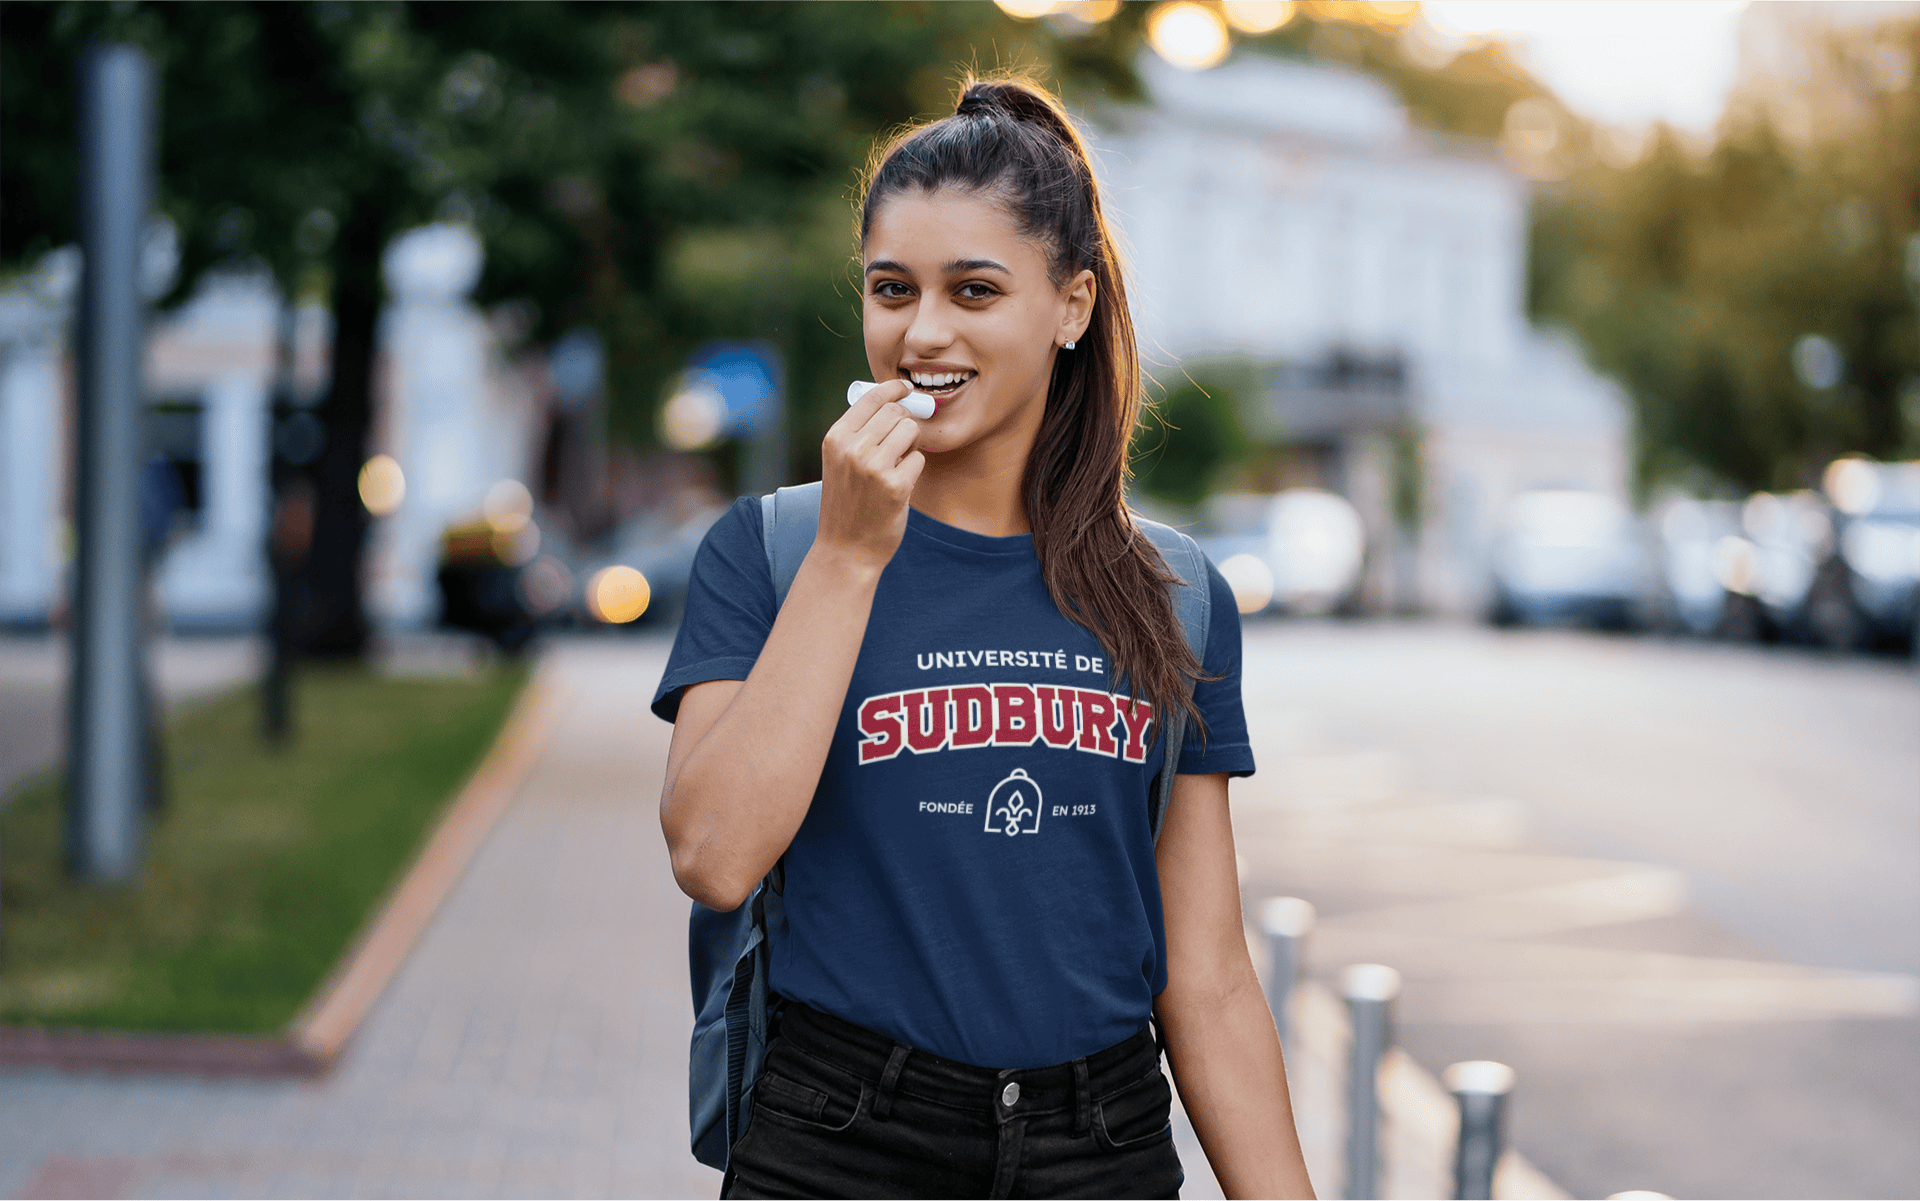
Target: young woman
[937, 732]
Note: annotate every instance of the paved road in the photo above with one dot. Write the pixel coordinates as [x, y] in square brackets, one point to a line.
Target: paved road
[1676, 886]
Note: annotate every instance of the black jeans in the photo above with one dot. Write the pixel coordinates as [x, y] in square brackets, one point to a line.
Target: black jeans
[844, 1111]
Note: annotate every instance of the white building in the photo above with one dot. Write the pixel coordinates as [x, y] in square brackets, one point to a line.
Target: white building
[456, 417]
[1286, 216]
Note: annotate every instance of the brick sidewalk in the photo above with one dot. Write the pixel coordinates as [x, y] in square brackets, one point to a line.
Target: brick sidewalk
[534, 1044]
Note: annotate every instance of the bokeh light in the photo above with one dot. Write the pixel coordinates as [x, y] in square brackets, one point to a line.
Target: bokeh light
[1026, 10]
[518, 545]
[382, 485]
[545, 584]
[1258, 16]
[1852, 485]
[618, 594]
[1188, 35]
[1088, 13]
[1251, 580]
[1318, 542]
[1736, 564]
[693, 419]
[508, 505]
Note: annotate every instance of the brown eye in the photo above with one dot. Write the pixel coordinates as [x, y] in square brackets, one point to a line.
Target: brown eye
[890, 289]
[976, 292]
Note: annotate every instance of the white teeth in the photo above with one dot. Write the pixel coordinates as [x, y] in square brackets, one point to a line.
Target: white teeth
[938, 381]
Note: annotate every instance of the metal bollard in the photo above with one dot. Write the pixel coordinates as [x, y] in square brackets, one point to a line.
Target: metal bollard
[1370, 989]
[1286, 921]
[1480, 1087]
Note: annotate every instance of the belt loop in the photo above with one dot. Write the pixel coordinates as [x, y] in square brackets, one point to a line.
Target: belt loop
[1082, 1099]
[883, 1100]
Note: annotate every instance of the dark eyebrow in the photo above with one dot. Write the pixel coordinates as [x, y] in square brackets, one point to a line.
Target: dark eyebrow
[954, 268]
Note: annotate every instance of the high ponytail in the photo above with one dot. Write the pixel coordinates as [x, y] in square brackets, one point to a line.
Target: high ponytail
[1011, 140]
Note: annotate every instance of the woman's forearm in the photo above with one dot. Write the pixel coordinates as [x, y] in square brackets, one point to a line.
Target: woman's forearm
[1226, 1061]
[740, 794]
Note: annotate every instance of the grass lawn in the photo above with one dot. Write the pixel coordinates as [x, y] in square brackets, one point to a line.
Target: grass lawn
[262, 868]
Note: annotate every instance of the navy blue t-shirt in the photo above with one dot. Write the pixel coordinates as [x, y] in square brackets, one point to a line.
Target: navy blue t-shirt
[975, 876]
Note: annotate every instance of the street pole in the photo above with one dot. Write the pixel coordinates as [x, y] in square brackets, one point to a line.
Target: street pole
[1286, 921]
[276, 684]
[1370, 990]
[107, 751]
[1480, 1088]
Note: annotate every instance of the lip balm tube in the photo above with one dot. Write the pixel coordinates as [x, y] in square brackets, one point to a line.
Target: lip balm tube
[919, 404]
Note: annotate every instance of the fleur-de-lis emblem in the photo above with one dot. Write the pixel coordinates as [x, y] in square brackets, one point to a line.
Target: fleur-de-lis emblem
[1013, 807]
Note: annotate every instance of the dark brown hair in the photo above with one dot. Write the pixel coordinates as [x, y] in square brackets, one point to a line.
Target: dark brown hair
[1011, 140]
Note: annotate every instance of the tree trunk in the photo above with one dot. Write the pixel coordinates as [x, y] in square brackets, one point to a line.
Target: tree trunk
[337, 622]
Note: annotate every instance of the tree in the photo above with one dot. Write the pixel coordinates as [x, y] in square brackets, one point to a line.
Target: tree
[667, 173]
[1692, 276]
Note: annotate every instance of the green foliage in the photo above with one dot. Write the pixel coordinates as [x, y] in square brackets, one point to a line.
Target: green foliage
[665, 172]
[1180, 453]
[1406, 444]
[1691, 278]
[264, 866]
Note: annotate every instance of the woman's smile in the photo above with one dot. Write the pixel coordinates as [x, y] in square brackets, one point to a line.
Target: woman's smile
[941, 381]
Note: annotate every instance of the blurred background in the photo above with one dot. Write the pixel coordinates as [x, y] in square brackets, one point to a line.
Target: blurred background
[1544, 378]
[494, 298]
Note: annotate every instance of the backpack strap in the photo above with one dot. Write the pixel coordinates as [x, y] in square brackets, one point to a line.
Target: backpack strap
[1193, 605]
[789, 518]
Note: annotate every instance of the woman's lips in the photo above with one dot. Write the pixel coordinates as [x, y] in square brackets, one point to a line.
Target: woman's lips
[942, 397]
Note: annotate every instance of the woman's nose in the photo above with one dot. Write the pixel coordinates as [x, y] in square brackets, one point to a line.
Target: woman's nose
[932, 327]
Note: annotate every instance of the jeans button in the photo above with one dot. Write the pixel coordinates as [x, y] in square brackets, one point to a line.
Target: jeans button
[1010, 1095]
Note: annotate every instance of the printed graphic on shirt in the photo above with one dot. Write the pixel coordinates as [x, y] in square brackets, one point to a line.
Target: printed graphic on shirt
[1013, 808]
[964, 716]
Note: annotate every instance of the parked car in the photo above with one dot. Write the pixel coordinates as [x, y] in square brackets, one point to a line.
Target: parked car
[1868, 587]
[643, 577]
[1563, 556]
[482, 578]
[1300, 552]
[1708, 565]
[1792, 535]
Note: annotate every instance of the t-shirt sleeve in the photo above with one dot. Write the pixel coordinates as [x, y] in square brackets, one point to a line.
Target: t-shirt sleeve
[1218, 699]
[730, 608]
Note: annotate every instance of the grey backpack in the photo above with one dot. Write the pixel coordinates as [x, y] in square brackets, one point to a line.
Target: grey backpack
[727, 952]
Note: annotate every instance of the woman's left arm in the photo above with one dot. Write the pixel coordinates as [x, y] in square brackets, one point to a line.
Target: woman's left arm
[1220, 1037]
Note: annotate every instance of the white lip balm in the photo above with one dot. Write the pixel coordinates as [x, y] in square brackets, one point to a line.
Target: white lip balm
[917, 403]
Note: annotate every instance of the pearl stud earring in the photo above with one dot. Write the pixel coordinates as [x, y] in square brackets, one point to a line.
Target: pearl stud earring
[1069, 346]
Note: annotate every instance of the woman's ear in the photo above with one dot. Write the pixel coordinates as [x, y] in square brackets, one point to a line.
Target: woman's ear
[1077, 312]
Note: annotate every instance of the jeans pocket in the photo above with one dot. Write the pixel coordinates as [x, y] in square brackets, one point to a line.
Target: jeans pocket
[795, 1104]
[1137, 1114]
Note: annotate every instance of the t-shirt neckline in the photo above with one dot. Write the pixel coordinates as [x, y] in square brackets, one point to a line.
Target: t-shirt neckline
[952, 535]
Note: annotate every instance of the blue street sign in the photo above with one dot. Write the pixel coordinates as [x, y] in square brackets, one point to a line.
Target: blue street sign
[747, 376]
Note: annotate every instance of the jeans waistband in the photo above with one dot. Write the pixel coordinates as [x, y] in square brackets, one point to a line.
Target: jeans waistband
[897, 1068]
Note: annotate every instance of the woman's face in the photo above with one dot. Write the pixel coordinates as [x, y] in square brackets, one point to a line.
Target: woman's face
[959, 303]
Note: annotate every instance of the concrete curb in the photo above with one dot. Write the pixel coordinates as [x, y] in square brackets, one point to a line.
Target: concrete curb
[315, 1038]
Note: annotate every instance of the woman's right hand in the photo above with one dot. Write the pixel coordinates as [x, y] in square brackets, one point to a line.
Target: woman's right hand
[868, 466]
[747, 755]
